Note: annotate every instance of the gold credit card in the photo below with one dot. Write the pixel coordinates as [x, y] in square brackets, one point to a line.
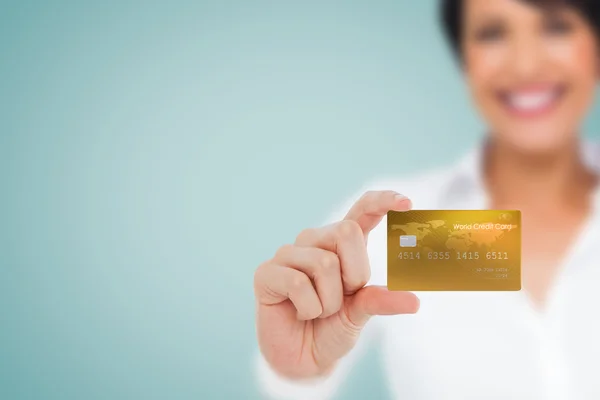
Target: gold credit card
[454, 250]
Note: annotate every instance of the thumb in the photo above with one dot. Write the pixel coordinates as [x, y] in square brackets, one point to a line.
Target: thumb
[378, 300]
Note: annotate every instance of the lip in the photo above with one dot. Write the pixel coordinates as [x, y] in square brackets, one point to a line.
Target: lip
[532, 101]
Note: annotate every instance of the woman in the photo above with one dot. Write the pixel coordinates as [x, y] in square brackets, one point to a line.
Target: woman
[532, 68]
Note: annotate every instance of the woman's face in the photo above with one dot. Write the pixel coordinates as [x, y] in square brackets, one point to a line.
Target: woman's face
[532, 71]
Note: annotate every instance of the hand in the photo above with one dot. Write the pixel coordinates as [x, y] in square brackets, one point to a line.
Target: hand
[312, 298]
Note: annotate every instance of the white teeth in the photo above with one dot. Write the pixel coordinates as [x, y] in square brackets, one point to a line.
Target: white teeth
[531, 101]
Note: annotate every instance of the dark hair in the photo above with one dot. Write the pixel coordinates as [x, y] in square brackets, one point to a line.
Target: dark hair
[451, 16]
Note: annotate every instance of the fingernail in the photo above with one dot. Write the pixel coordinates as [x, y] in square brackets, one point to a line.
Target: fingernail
[406, 202]
[417, 304]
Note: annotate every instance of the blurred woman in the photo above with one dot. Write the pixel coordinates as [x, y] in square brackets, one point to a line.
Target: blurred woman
[531, 67]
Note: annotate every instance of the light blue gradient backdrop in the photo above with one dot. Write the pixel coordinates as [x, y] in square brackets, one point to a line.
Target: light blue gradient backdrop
[152, 156]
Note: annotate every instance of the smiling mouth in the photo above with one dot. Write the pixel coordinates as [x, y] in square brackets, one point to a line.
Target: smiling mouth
[531, 103]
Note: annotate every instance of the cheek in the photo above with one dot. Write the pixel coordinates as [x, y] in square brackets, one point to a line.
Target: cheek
[484, 63]
[578, 60]
[483, 67]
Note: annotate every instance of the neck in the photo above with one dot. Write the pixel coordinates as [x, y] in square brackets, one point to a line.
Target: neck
[558, 180]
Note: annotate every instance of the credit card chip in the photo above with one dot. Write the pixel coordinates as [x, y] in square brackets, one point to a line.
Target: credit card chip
[408, 241]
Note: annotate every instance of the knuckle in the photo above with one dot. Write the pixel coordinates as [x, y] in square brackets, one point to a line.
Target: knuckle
[358, 280]
[299, 282]
[284, 251]
[349, 229]
[259, 272]
[305, 235]
[260, 277]
[368, 196]
[329, 263]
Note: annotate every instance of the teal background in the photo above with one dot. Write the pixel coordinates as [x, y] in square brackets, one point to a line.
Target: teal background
[148, 152]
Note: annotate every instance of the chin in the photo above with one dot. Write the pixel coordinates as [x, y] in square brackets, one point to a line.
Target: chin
[542, 144]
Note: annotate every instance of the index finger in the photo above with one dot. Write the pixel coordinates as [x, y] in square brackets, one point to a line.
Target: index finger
[370, 209]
